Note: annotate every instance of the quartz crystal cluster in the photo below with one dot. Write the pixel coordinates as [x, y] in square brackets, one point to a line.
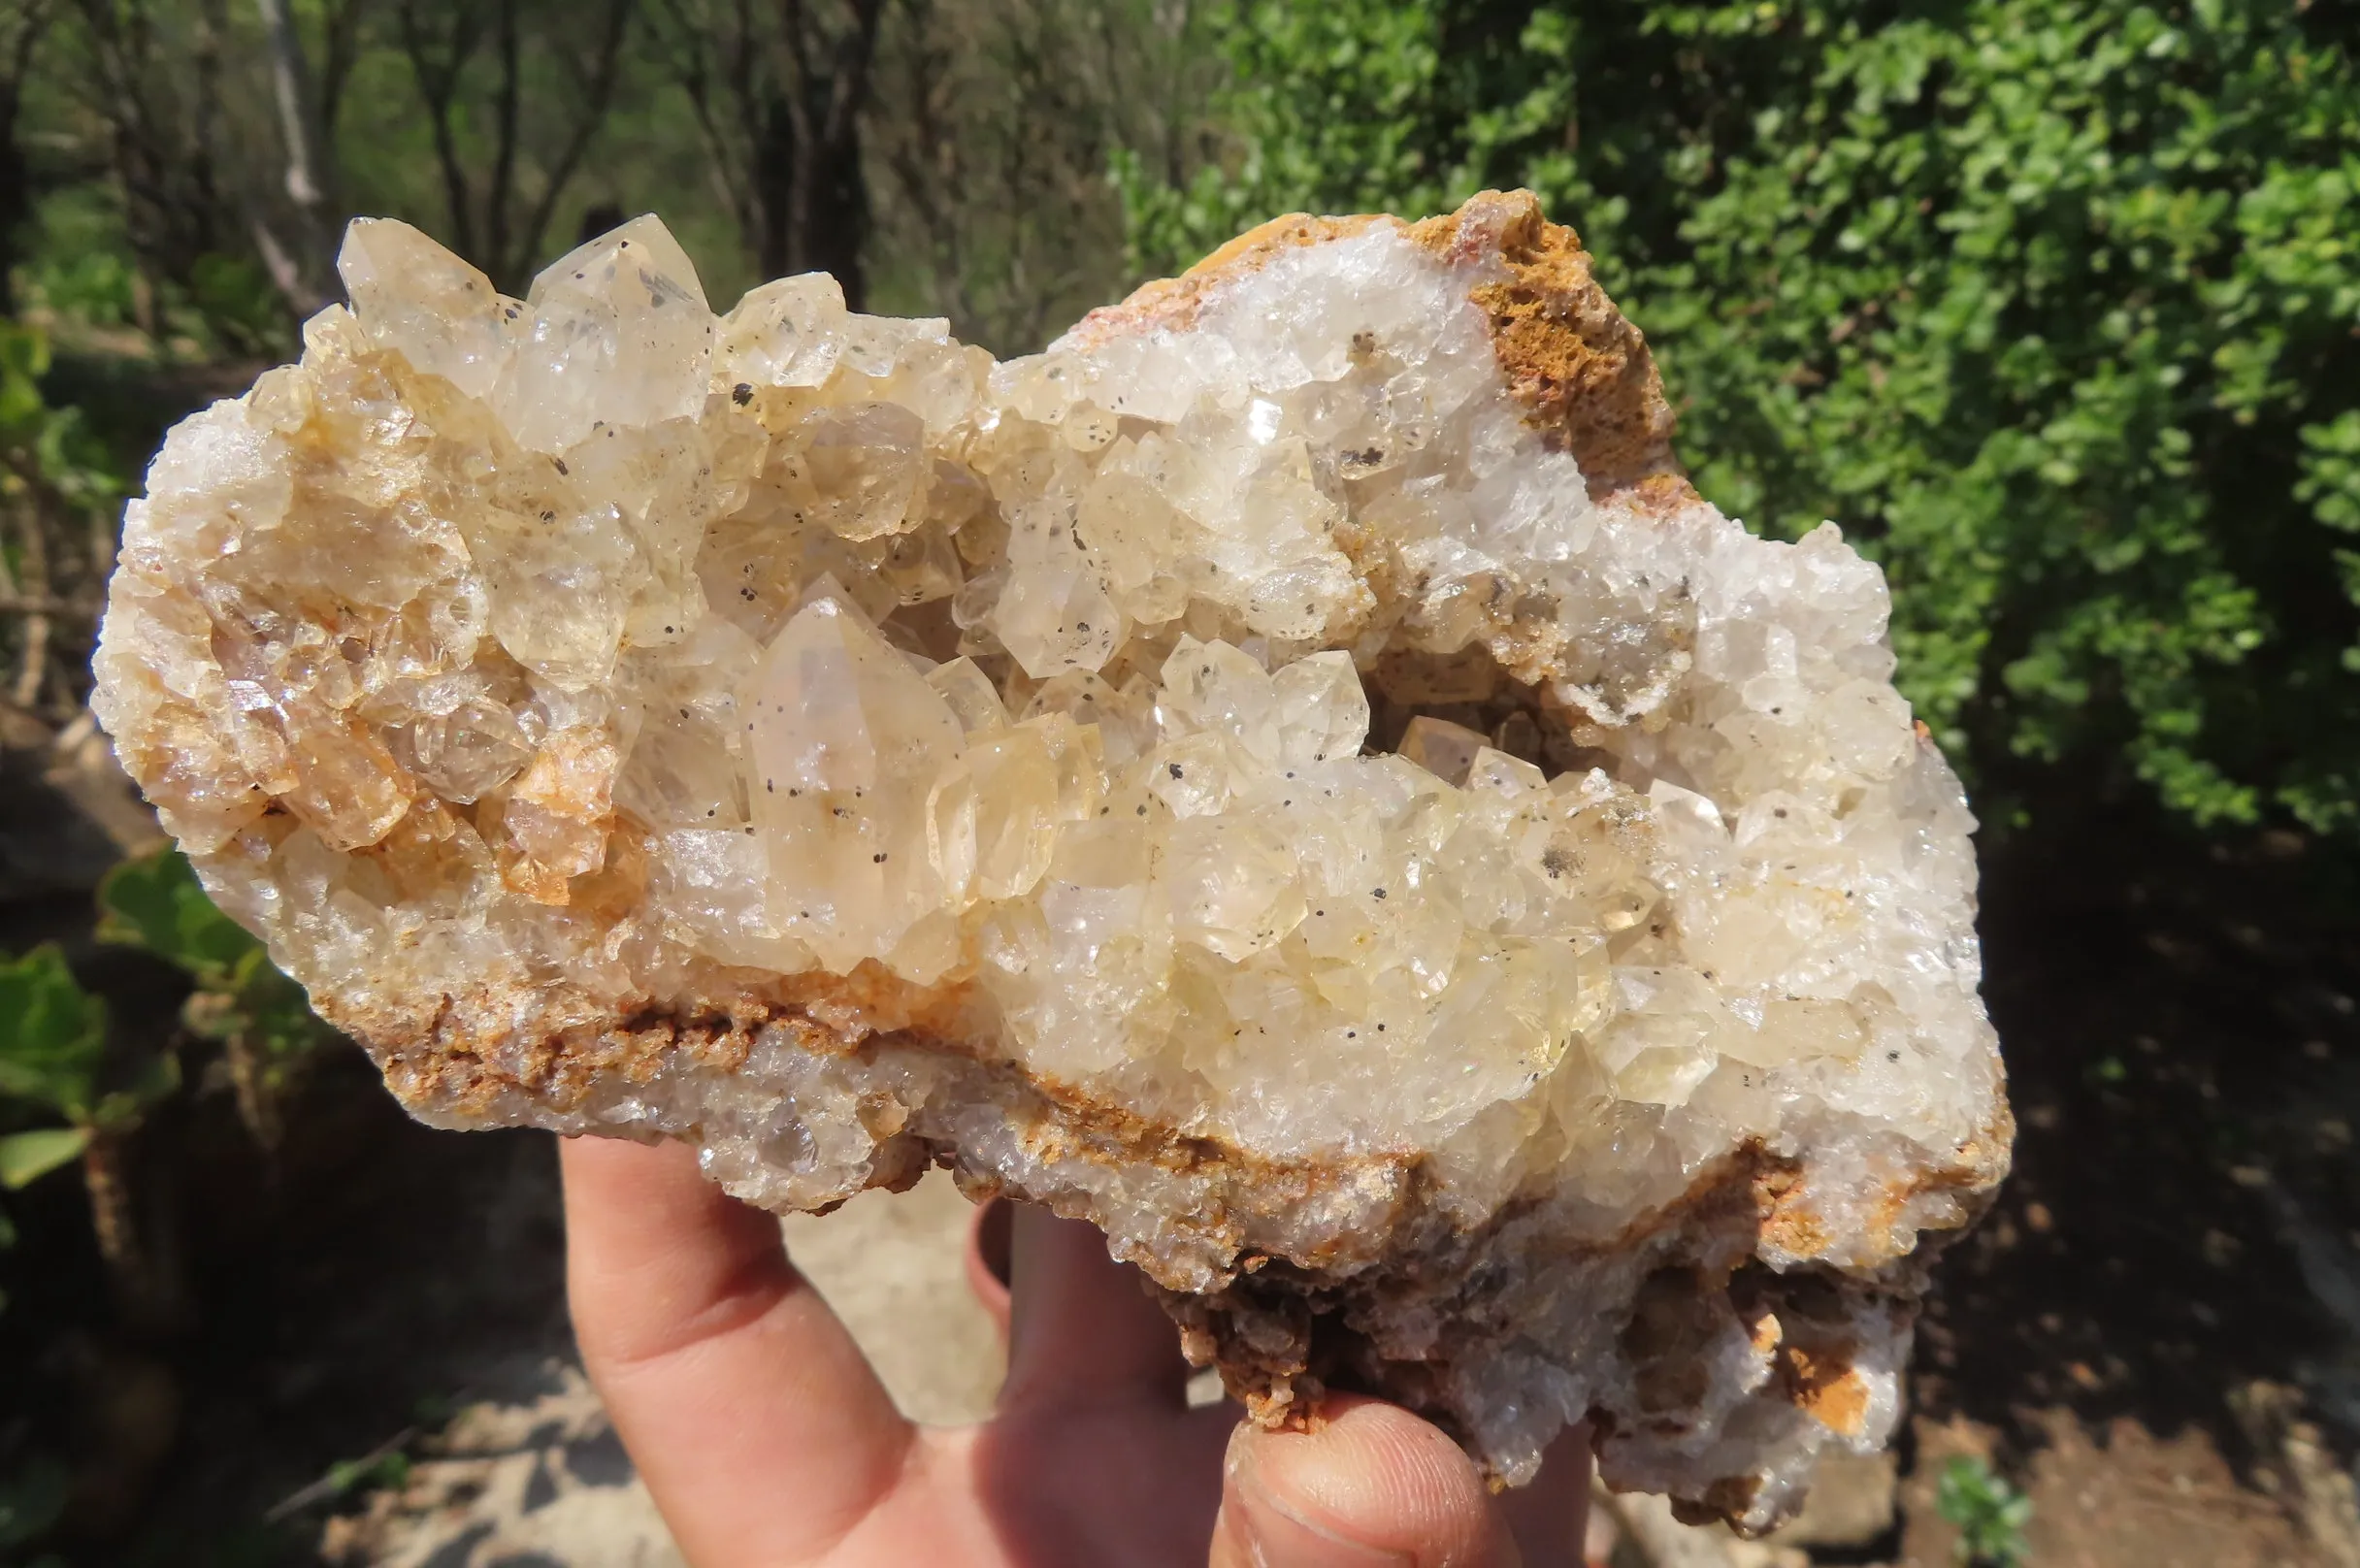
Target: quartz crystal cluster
[1291, 774]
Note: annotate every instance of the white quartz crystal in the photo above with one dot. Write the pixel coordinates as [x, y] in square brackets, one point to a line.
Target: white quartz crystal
[1291, 773]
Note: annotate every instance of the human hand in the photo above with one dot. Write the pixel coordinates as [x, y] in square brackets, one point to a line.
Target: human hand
[767, 1442]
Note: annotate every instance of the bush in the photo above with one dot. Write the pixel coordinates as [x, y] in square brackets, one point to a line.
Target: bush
[2053, 305]
[261, 1018]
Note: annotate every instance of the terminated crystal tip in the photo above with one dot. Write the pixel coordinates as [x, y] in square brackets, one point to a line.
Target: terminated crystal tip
[1292, 772]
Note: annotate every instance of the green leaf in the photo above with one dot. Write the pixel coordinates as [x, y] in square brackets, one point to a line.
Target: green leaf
[157, 903]
[157, 1080]
[52, 1035]
[389, 1471]
[27, 1157]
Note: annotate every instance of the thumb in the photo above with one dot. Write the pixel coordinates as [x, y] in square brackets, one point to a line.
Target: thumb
[1373, 1487]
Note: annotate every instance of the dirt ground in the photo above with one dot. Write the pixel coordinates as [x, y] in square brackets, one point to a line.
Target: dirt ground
[526, 1474]
[507, 1484]
[2154, 1328]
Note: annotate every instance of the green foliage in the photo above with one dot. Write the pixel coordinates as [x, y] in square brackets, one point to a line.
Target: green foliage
[47, 450]
[53, 1056]
[53, 1036]
[55, 1060]
[238, 308]
[95, 288]
[155, 902]
[2053, 304]
[1358, 105]
[24, 357]
[1988, 1514]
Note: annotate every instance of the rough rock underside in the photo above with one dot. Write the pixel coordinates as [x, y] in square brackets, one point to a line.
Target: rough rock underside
[1291, 774]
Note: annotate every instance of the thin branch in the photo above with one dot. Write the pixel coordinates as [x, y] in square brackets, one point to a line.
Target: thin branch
[12, 604]
[203, 147]
[498, 196]
[689, 69]
[33, 580]
[597, 93]
[340, 54]
[753, 107]
[337, 1481]
[848, 84]
[438, 82]
[285, 271]
[797, 76]
[32, 19]
[290, 89]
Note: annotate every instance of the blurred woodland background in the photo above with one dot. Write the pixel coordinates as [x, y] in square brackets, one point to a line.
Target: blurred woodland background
[2052, 304]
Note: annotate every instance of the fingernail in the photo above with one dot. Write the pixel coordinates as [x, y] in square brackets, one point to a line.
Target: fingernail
[1269, 1532]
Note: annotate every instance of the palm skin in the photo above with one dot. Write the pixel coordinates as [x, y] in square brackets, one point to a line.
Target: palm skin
[767, 1442]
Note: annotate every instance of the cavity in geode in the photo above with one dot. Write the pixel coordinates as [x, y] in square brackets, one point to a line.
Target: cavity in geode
[1291, 774]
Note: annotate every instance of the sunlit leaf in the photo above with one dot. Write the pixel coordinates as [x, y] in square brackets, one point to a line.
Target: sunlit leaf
[27, 1157]
[155, 902]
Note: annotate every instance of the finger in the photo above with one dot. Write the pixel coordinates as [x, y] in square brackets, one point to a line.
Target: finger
[1549, 1515]
[1373, 1486]
[989, 1259]
[758, 1425]
[1083, 1330]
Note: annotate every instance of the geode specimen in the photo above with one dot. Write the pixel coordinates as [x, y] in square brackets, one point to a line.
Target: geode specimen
[1292, 773]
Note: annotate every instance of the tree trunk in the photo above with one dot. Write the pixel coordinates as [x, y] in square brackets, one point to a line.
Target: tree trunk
[250, 1077]
[32, 579]
[307, 177]
[812, 203]
[297, 267]
[772, 177]
[832, 217]
[16, 192]
[31, 19]
[149, 1301]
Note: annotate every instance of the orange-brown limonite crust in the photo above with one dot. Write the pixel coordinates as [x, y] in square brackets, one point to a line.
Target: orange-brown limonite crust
[1282, 1329]
[1282, 1334]
[1582, 372]
[1581, 369]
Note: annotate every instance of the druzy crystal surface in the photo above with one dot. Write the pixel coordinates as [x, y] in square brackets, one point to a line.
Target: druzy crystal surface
[1291, 774]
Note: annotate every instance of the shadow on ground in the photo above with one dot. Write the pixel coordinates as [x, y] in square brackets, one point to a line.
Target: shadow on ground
[2179, 1030]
